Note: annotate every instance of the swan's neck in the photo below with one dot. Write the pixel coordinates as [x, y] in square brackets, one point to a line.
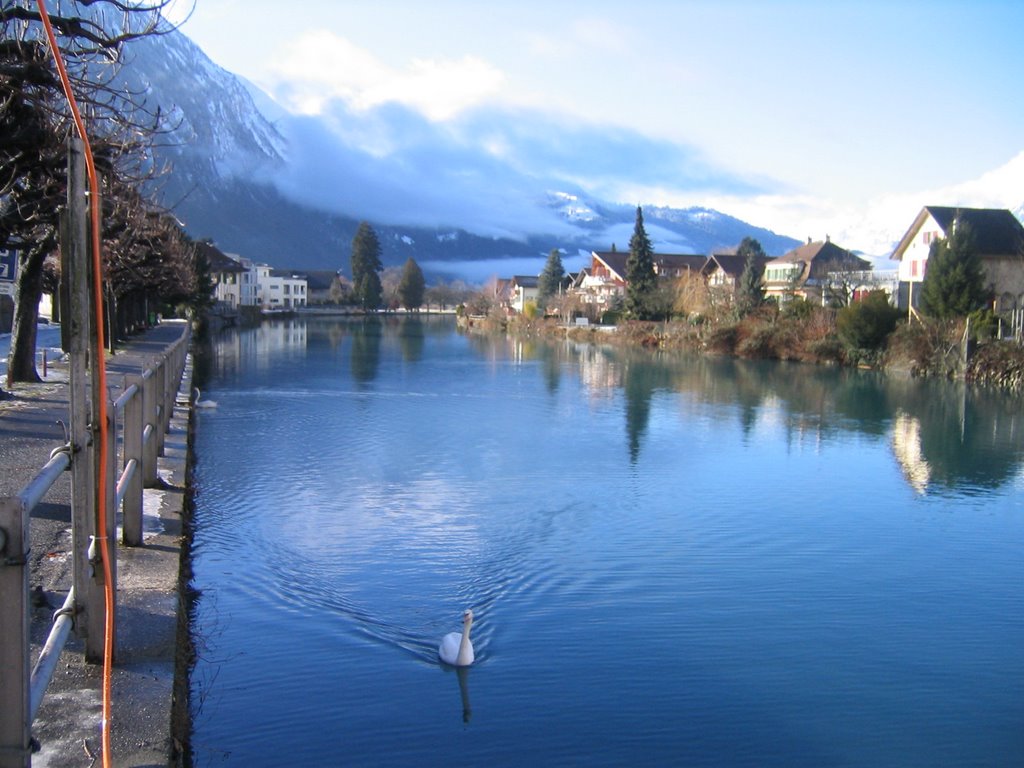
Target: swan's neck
[464, 645]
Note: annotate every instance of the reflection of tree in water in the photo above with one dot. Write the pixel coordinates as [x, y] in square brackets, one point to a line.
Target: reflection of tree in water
[641, 377]
[412, 338]
[551, 359]
[366, 342]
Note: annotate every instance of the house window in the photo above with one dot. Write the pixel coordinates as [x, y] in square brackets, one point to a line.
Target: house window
[913, 268]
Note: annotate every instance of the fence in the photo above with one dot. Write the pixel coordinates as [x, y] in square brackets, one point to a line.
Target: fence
[138, 419]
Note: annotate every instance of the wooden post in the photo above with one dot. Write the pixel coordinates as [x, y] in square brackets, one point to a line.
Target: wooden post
[110, 505]
[89, 600]
[15, 728]
[150, 446]
[132, 449]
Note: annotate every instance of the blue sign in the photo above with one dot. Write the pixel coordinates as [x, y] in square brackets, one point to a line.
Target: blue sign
[8, 265]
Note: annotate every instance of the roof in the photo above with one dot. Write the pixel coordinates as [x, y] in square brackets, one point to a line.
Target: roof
[320, 279]
[995, 231]
[525, 281]
[816, 255]
[217, 260]
[663, 262]
[289, 274]
[731, 264]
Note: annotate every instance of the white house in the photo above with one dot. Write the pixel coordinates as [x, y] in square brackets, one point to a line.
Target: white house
[998, 239]
[279, 289]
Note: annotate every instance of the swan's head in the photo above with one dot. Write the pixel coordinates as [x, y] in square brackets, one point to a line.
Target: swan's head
[467, 617]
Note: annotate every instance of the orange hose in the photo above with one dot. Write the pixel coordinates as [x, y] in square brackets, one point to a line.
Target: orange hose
[100, 384]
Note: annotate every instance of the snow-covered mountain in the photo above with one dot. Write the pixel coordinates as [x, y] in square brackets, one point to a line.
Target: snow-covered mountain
[235, 180]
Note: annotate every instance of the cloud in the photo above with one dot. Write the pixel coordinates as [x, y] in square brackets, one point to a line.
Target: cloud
[310, 72]
[487, 171]
[875, 225]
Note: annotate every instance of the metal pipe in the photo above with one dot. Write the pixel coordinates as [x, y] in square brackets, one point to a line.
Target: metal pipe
[42, 672]
[33, 493]
[127, 395]
[122, 483]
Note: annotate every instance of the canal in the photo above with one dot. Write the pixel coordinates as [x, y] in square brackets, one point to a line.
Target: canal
[671, 560]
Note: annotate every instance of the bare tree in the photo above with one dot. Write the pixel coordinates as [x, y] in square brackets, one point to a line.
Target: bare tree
[35, 123]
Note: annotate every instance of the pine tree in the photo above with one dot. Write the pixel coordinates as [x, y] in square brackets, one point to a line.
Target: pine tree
[366, 267]
[550, 280]
[412, 285]
[750, 292]
[640, 276]
[954, 284]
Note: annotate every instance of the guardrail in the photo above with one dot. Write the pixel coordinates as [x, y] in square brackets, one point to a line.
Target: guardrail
[139, 418]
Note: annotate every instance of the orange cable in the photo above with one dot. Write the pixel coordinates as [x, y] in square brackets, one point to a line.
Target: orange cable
[100, 383]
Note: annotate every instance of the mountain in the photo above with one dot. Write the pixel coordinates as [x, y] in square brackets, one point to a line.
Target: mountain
[229, 156]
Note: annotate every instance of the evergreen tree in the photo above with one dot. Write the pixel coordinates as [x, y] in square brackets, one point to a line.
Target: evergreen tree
[550, 280]
[865, 325]
[954, 284]
[640, 276]
[412, 286]
[366, 268]
[750, 292]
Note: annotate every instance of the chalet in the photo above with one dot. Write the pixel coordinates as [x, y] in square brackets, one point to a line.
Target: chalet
[998, 239]
[231, 279]
[606, 277]
[810, 271]
[723, 269]
[522, 289]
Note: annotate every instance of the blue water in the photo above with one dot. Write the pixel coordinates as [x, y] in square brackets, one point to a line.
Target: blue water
[672, 561]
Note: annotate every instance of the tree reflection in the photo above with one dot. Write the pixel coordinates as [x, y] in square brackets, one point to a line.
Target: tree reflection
[365, 355]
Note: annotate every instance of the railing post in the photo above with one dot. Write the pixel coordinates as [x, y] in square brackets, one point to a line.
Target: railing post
[88, 589]
[132, 450]
[150, 446]
[161, 421]
[15, 725]
[111, 506]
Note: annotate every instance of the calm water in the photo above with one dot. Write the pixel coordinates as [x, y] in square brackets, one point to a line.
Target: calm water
[687, 562]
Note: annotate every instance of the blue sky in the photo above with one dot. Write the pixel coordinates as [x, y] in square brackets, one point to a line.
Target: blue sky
[805, 117]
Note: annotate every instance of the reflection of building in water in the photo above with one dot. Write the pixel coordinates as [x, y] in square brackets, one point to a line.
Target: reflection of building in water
[906, 445]
[254, 348]
[600, 375]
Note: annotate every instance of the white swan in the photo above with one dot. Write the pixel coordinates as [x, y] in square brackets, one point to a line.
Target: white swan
[203, 403]
[456, 647]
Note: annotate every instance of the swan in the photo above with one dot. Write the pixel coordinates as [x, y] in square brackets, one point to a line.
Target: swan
[456, 647]
[203, 403]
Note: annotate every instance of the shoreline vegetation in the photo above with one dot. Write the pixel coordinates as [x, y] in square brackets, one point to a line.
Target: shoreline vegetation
[916, 348]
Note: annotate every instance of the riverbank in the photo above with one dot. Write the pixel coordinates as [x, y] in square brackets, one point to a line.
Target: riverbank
[919, 349]
[150, 706]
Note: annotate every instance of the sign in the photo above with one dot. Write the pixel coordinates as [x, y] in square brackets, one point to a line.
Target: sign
[8, 271]
[8, 265]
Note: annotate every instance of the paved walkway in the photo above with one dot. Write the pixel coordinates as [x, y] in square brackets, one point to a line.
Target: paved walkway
[68, 724]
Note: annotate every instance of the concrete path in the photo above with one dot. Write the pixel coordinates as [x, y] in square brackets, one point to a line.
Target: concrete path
[149, 621]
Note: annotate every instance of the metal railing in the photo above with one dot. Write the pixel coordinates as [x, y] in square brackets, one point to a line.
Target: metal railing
[138, 420]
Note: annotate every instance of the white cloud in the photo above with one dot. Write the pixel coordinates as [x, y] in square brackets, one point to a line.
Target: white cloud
[874, 226]
[321, 66]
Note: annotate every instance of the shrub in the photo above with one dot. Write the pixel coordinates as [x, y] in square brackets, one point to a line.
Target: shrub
[866, 324]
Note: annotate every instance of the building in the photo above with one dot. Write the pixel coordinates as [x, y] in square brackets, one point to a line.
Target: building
[280, 289]
[998, 239]
[722, 272]
[232, 284]
[522, 289]
[816, 271]
[605, 279]
[237, 282]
